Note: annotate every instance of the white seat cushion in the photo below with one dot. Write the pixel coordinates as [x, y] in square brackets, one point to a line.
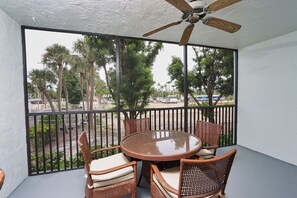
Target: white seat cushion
[205, 153]
[171, 176]
[110, 162]
[113, 181]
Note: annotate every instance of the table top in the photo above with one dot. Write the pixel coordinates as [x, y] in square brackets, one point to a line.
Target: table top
[160, 145]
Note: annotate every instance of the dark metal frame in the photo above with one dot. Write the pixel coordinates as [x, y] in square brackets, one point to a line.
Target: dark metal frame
[118, 55]
[119, 36]
[118, 66]
[26, 96]
[186, 86]
[235, 56]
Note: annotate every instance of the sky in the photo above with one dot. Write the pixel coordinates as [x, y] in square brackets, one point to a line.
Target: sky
[37, 41]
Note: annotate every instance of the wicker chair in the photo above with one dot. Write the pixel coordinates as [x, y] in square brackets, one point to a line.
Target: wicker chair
[193, 178]
[136, 125]
[209, 134]
[112, 176]
[2, 177]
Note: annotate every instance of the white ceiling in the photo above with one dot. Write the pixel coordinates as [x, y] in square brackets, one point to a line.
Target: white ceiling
[260, 19]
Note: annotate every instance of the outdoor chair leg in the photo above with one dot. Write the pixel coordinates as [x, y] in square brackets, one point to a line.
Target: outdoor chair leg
[134, 195]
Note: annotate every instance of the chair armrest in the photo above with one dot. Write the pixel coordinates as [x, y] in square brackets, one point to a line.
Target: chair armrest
[210, 147]
[133, 163]
[162, 180]
[105, 149]
[2, 177]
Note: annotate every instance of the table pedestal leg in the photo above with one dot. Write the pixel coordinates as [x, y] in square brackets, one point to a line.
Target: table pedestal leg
[145, 171]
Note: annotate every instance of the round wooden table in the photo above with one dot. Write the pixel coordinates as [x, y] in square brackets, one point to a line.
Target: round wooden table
[161, 145]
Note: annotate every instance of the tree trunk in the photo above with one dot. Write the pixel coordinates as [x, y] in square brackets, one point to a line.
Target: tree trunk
[133, 115]
[48, 98]
[195, 99]
[92, 79]
[210, 111]
[219, 98]
[100, 97]
[60, 77]
[210, 115]
[108, 84]
[66, 94]
[87, 94]
[43, 98]
[82, 78]
[66, 98]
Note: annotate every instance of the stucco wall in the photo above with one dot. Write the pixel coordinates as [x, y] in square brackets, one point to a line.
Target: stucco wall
[13, 155]
[267, 100]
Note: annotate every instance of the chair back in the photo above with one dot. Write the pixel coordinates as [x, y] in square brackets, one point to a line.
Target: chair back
[2, 177]
[136, 125]
[202, 178]
[208, 133]
[85, 150]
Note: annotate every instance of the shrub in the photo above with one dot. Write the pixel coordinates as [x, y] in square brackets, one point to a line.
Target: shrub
[226, 138]
[58, 162]
[43, 133]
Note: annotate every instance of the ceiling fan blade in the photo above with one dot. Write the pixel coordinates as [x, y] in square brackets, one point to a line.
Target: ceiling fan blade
[162, 28]
[220, 4]
[186, 35]
[182, 5]
[222, 24]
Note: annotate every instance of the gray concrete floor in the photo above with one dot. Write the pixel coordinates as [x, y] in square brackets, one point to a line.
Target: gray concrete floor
[253, 175]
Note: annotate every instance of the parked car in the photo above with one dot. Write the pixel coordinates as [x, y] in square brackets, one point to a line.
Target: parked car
[173, 100]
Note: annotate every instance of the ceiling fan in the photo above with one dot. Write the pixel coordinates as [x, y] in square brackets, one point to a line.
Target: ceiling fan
[196, 10]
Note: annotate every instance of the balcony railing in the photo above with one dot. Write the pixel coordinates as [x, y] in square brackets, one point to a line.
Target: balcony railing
[53, 136]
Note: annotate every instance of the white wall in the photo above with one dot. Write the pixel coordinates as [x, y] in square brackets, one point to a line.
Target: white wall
[13, 155]
[267, 97]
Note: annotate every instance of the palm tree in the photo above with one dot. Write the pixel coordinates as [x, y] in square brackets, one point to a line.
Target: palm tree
[67, 75]
[80, 66]
[43, 79]
[55, 58]
[85, 65]
[32, 90]
[87, 53]
[93, 52]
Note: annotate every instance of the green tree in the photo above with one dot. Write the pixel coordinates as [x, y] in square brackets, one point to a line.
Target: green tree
[43, 79]
[55, 58]
[175, 71]
[71, 81]
[213, 73]
[136, 75]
